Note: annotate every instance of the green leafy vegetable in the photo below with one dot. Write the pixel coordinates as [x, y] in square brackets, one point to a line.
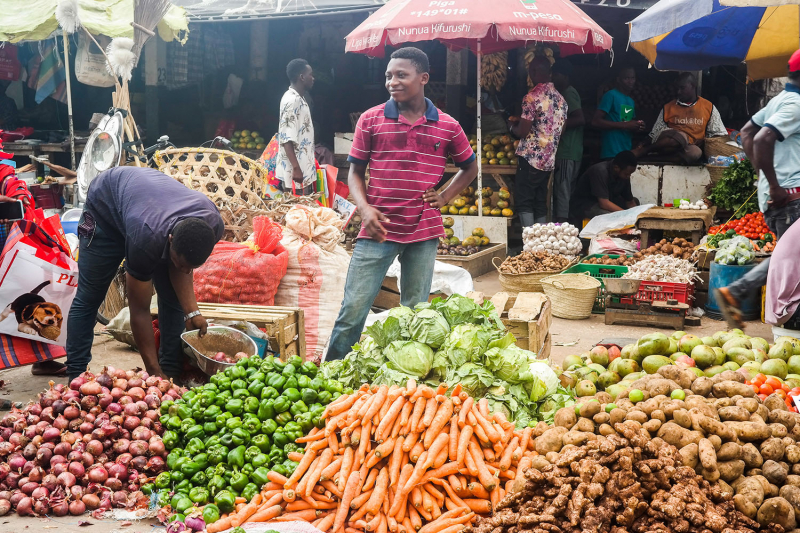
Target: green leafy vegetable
[474, 379]
[405, 315]
[410, 357]
[735, 189]
[509, 364]
[386, 332]
[429, 327]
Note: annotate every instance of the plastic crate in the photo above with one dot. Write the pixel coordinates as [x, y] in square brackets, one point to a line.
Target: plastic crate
[598, 272]
[654, 291]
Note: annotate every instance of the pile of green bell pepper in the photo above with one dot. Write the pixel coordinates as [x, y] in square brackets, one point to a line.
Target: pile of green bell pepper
[224, 437]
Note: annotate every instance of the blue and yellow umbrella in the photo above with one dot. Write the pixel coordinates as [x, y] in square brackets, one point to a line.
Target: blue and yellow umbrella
[698, 34]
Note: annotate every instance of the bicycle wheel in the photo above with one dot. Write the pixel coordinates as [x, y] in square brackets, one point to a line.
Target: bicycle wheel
[116, 299]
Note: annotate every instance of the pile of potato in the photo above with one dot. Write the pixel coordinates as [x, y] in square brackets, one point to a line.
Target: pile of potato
[744, 447]
[528, 262]
[678, 248]
[622, 260]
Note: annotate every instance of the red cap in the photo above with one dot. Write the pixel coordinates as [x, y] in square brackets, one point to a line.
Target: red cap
[794, 62]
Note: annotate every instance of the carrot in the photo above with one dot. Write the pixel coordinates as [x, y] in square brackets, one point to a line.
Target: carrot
[477, 490]
[347, 465]
[306, 515]
[300, 488]
[331, 469]
[442, 457]
[247, 511]
[433, 491]
[379, 494]
[430, 411]
[526, 437]
[416, 497]
[299, 505]
[343, 404]
[314, 434]
[274, 499]
[380, 398]
[405, 414]
[454, 497]
[463, 443]
[465, 409]
[450, 518]
[483, 408]
[364, 444]
[361, 499]
[410, 441]
[489, 455]
[438, 422]
[425, 514]
[441, 472]
[326, 522]
[478, 430]
[295, 456]
[370, 482]
[414, 517]
[387, 420]
[332, 488]
[454, 482]
[436, 512]
[452, 529]
[411, 387]
[508, 454]
[239, 499]
[491, 433]
[416, 414]
[301, 468]
[220, 525]
[366, 406]
[352, 413]
[372, 525]
[409, 527]
[355, 437]
[276, 478]
[263, 515]
[400, 496]
[352, 485]
[456, 391]
[391, 523]
[416, 452]
[384, 449]
[289, 495]
[427, 501]
[395, 461]
[486, 478]
[495, 496]
[452, 447]
[438, 445]
[479, 505]
[272, 486]
[324, 460]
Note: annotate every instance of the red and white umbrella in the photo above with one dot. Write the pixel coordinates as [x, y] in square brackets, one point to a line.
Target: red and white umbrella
[483, 26]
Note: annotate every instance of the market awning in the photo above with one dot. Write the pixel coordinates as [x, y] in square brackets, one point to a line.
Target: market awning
[35, 20]
[216, 10]
[641, 5]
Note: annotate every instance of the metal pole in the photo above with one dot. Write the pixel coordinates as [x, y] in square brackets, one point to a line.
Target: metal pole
[69, 100]
[480, 137]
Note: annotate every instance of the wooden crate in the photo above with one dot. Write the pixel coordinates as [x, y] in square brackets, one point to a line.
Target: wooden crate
[389, 295]
[476, 264]
[285, 326]
[531, 334]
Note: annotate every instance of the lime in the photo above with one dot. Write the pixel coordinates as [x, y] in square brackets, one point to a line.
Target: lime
[636, 396]
[678, 394]
[610, 407]
[578, 409]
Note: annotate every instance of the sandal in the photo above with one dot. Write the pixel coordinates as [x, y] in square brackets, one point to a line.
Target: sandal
[729, 308]
[49, 368]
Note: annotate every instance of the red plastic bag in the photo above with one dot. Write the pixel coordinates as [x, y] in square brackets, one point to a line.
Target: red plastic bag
[240, 274]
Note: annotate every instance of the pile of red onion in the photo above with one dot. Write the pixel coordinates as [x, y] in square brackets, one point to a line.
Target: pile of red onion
[87, 446]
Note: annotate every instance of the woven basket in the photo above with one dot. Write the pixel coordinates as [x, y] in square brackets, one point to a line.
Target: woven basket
[715, 146]
[225, 177]
[715, 172]
[532, 282]
[571, 295]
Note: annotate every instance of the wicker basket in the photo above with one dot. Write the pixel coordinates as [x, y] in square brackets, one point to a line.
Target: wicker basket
[716, 172]
[516, 283]
[225, 177]
[715, 146]
[571, 295]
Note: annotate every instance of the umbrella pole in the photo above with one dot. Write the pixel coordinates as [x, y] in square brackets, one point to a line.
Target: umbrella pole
[480, 137]
[69, 101]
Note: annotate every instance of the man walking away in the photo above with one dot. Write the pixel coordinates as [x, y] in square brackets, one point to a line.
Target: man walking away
[405, 142]
[772, 142]
[295, 164]
[684, 123]
[544, 112]
[570, 149]
[615, 116]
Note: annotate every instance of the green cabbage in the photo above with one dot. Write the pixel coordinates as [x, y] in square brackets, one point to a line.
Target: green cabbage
[429, 327]
[357, 367]
[387, 374]
[405, 315]
[459, 309]
[410, 357]
[542, 371]
[465, 344]
[474, 379]
[509, 364]
[386, 332]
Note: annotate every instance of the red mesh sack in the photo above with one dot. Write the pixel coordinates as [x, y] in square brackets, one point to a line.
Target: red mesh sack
[247, 274]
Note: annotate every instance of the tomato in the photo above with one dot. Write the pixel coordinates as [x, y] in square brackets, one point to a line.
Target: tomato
[796, 390]
[773, 382]
[766, 389]
[760, 377]
[755, 388]
[786, 388]
[781, 393]
[762, 397]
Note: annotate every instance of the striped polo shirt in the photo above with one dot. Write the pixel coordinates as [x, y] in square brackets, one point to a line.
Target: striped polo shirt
[404, 161]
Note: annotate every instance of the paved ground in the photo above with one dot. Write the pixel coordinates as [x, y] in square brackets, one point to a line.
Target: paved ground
[568, 336]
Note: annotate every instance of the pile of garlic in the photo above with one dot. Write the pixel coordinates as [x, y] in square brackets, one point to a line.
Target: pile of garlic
[554, 238]
[699, 204]
[662, 268]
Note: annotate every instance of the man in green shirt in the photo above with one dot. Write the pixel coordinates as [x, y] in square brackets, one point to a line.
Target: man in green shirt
[570, 149]
[616, 116]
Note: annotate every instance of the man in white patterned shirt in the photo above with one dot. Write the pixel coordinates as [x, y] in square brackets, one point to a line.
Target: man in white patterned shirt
[294, 165]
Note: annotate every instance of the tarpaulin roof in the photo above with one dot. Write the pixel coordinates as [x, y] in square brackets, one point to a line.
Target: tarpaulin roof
[261, 9]
[35, 20]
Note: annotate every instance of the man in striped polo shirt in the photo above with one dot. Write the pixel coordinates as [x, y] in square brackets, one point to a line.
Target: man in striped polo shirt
[405, 142]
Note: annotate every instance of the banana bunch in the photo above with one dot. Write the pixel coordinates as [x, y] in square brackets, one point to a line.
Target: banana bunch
[537, 50]
[494, 71]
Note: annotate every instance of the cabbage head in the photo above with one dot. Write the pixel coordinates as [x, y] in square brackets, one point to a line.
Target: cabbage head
[509, 364]
[410, 357]
[465, 344]
[541, 371]
[404, 315]
[429, 327]
[473, 378]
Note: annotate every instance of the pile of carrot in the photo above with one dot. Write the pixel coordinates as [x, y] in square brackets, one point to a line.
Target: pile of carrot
[395, 459]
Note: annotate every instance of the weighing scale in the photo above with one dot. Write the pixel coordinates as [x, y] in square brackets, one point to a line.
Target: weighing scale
[622, 308]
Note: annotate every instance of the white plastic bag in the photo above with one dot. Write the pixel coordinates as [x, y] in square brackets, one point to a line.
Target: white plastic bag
[447, 279]
[90, 63]
[611, 245]
[613, 221]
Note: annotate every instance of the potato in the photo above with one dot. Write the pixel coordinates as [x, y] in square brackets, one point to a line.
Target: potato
[606, 430]
[721, 403]
[577, 438]
[772, 449]
[659, 415]
[540, 428]
[792, 453]
[776, 511]
[707, 455]
[701, 405]
[744, 506]
[715, 441]
[682, 418]
[728, 388]
[774, 472]
[652, 426]
[788, 441]
[729, 451]
[730, 470]
[751, 404]
[539, 462]
[601, 418]
[728, 375]
[617, 416]
[777, 416]
[689, 455]
[684, 378]
[754, 472]
[758, 419]
[726, 490]
[550, 441]
[589, 409]
[702, 386]
[791, 493]
[678, 436]
[637, 416]
[585, 425]
[565, 417]
[662, 386]
[795, 469]
[778, 430]
[712, 426]
[738, 414]
[751, 489]
[793, 479]
[710, 475]
[603, 397]
[763, 412]
[775, 403]
[750, 431]
[751, 456]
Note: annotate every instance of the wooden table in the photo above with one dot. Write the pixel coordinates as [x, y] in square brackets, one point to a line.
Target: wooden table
[692, 221]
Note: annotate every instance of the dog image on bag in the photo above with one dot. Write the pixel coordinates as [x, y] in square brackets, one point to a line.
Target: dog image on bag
[35, 315]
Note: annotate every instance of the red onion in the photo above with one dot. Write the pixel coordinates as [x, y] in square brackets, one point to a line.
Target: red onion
[136, 393]
[124, 459]
[105, 503]
[5, 506]
[97, 434]
[12, 480]
[120, 384]
[91, 388]
[20, 425]
[120, 498]
[88, 459]
[29, 452]
[124, 434]
[118, 471]
[50, 482]
[91, 501]
[34, 409]
[76, 469]
[16, 498]
[138, 447]
[139, 462]
[135, 381]
[87, 402]
[151, 381]
[142, 405]
[62, 448]
[32, 420]
[76, 491]
[89, 417]
[36, 474]
[163, 385]
[101, 459]
[52, 434]
[77, 508]
[174, 394]
[75, 424]
[156, 464]
[59, 406]
[146, 423]
[30, 432]
[117, 420]
[6, 448]
[125, 400]
[97, 474]
[58, 468]
[105, 380]
[96, 410]
[109, 429]
[75, 455]
[153, 390]
[104, 400]
[5, 433]
[131, 422]
[49, 396]
[70, 437]
[70, 396]
[25, 507]
[195, 523]
[66, 479]
[113, 483]
[4, 471]
[141, 433]
[131, 409]
[29, 487]
[29, 466]
[39, 493]
[57, 459]
[152, 414]
[16, 462]
[86, 427]
[72, 412]
[61, 508]
[47, 414]
[121, 445]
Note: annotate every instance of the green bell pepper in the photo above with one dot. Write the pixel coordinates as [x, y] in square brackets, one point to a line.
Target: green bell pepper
[221, 469]
[207, 398]
[217, 454]
[281, 404]
[276, 455]
[163, 419]
[292, 427]
[234, 406]
[250, 453]
[335, 396]
[187, 423]
[295, 360]
[309, 369]
[251, 405]
[239, 480]
[209, 428]
[291, 383]
[298, 407]
[255, 388]
[183, 487]
[224, 396]
[226, 440]
[183, 504]
[280, 439]
[269, 393]
[163, 480]
[283, 418]
[238, 372]
[188, 395]
[194, 432]
[248, 469]
[252, 425]
[289, 371]
[225, 501]
[303, 381]
[211, 413]
[269, 427]
[261, 441]
[293, 447]
[202, 460]
[174, 422]
[236, 457]
[333, 386]
[324, 397]
[222, 418]
[259, 476]
[177, 517]
[279, 365]
[190, 468]
[259, 460]
[179, 462]
[317, 383]
[309, 396]
[170, 439]
[290, 465]
[195, 446]
[198, 412]
[257, 375]
[265, 410]
[210, 471]
[267, 365]
[199, 479]
[210, 513]
[276, 381]
[173, 409]
[165, 405]
[281, 470]
[241, 394]
[292, 394]
[216, 484]
[305, 420]
[147, 489]
[250, 490]
[198, 495]
[238, 384]
[184, 411]
[240, 436]
[176, 476]
[233, 423]
[224, 383]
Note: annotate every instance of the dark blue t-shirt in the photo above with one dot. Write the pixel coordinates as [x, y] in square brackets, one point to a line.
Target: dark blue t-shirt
[142, 206]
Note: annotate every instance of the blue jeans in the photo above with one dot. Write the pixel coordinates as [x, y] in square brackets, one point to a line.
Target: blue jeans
[100, 256]
[368, 266]
[778, 220]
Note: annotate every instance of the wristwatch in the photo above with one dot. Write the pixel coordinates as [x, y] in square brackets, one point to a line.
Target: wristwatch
[191, 315]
